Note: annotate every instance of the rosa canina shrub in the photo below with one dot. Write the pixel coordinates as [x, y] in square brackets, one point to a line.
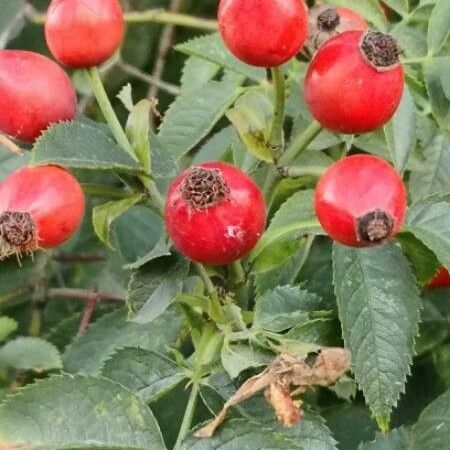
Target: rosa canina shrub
[241, 240]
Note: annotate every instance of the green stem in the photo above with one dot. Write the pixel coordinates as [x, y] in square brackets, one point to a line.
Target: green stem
[108, 111]
[237, 273]
[415, 60]
[156, 196]
[157, 16]
[299, 143]
[276, 131]
[299, 171]
[188, 415]
[209, 286]
[100, 190]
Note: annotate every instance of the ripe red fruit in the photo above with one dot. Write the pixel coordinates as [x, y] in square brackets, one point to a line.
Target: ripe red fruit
[40, 207]
[84, 33]
[355, 82]
[441, 279]
[326, 22]
[34, 92]
[264, 33]
[215, 213]
[361, 201]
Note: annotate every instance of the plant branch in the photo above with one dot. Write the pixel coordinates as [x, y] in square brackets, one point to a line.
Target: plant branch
[108, 111]
[79, 257]
[91, 303]
[10, 145]
[276, 139]
[300, 171]
[84, 294]
[155, 16]
[209, 286]
[188, 416]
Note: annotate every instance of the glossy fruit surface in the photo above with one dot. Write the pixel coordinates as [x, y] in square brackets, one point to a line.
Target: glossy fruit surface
[265, 33]
[348, 93]
[326, 22]
[34, 92]
[84, 33]
[40, 207]
[215, 213]
[441, 279]
[361, 201]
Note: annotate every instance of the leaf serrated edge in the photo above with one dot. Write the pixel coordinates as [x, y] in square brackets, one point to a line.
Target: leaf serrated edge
[413, 352]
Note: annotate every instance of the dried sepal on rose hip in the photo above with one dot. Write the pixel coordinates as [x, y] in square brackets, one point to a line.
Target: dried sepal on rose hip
[361, 201]
[84, 33]
[264, 33]
[40, 207]
[355, 82]
[34, 93]
[214, 213]
[327, 21]
[286, 377]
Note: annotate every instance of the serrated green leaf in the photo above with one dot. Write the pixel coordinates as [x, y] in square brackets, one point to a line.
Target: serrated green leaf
[379, 311]
[88, 352]
[7, 326]
[397, 439]
[239, 357]
[30, 353]
[438, 26]
[161, 248]
[400, 6]
[433, 176]
[295, 218]
[252, 117]
[212, 49]
[104, 215]
[432, 430]
[323, 332]
[345, 388]
[429, 221]
[284, 307]
[156, 299]
[67, 411]
[80, 145]
[421, 257]
[196, 71]
[370, 9]
[437, 80]
[193, 114]
[401, 131]
[138, 129]
[147, 373]
[239, 434]
[126, 96]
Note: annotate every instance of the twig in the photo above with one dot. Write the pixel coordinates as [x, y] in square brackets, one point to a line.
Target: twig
[79, 257]
[84, 294]
[91, 303]
[149, 79]
[10, 145]
[21, 14]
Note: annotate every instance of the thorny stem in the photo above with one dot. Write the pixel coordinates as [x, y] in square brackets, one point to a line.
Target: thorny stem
[188, 415]
[155, 16]
[276, 132]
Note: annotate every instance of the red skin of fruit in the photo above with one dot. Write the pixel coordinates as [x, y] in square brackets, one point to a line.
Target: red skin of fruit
[351, 20]
[441, 279]
[51, 195]
[353, 187]
[345, 93]
[34, 92]
[263, 33]
[84, 33]
[224, 232]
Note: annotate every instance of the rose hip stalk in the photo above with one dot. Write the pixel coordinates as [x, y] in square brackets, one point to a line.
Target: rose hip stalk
[326, 22]
[84, 33]
[360, 201]
[265, 33]
[34, 92]
[355, 82]
[40, 207]
[215, 213]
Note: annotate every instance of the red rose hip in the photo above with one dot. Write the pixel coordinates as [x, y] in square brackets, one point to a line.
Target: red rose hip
[40, 207]
[84, 33]
[361, 201]
[214, 213]
[355, 82]
[34, 92]
[264, 33]
[326, 22]
[441, 279]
